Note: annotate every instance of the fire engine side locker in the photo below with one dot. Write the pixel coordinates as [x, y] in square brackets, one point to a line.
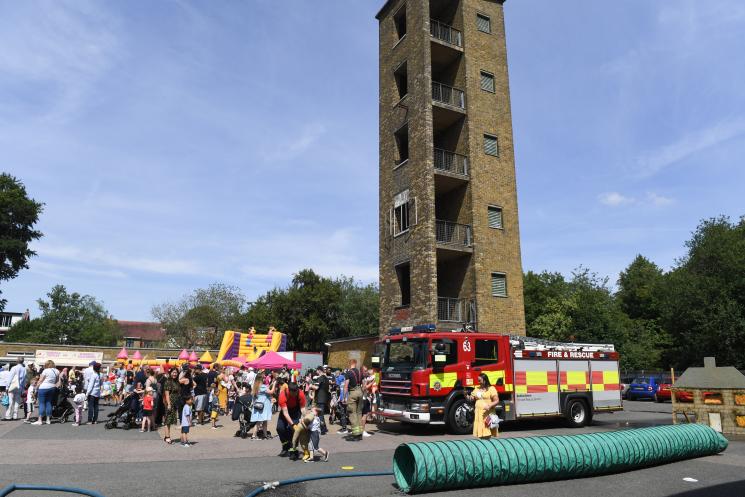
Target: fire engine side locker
[536, 389]
[606, 389]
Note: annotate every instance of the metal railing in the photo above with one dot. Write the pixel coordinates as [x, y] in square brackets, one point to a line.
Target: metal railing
[450, 233]
[448, 95]
[456, 310]
[445, 32]
[451, 162]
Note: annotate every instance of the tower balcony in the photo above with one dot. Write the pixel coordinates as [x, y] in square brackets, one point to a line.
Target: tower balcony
[448, 95]
[456, 310]
[451, 162]
[453, 235]
[445, 33]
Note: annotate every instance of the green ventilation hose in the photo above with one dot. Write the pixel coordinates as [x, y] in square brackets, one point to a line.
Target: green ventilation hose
[425, 466]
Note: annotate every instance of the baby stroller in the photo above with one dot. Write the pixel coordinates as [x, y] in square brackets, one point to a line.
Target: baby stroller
[242, 414]
[63, 408]
[125, 415]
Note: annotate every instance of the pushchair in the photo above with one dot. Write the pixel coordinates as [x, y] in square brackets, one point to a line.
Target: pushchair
[125, 415]
[242, 414]
[62, 408]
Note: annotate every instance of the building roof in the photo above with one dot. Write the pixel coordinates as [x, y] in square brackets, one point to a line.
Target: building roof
[711, 377]
[142, 330]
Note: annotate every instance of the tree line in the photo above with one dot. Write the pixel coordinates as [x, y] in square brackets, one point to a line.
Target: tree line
[656, 318]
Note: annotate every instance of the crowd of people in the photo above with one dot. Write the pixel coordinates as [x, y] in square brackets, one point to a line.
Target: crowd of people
[191, 394]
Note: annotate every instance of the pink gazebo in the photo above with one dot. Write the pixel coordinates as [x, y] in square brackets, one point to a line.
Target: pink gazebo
[137, 356]
[272, 360]
[123, 355]
[193, 357]
[184, 355]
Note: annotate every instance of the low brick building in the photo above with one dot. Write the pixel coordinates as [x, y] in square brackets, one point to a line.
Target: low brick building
[341, 350]
[141, 334]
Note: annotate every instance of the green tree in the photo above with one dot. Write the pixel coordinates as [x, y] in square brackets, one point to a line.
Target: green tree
[309, 312]
[638, 289]
[314, 309]
[539, 289]
[67, 318]
[201, 318]
[18, 215]
[703, 300]
[359, 309]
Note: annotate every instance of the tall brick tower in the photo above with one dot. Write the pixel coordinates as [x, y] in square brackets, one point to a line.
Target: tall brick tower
[449, 236]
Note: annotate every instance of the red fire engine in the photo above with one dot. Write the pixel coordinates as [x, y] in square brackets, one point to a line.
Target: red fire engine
[426, 374]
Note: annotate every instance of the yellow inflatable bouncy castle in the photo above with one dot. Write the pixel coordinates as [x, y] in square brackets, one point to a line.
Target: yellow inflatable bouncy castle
[238, 348]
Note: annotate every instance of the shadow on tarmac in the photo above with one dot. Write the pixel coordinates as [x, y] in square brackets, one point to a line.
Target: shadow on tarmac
[731, 489]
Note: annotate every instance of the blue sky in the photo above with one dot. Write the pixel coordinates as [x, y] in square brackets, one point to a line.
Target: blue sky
[177, 144]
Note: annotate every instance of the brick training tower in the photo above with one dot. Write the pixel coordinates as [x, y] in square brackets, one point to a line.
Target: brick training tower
[449, 236]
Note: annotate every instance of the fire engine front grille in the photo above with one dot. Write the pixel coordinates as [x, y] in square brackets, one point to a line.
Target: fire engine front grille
[395, 384]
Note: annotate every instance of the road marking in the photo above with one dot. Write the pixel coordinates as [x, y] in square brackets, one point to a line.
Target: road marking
[690, 480]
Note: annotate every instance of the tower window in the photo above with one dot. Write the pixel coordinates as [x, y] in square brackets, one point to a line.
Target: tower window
[491, 147]
[495, 217]
[487, 81]
[401, 215]
[499, 285]
[402, 83]
[399, 19]
[402, 144]
[403, 274]
[483, 23]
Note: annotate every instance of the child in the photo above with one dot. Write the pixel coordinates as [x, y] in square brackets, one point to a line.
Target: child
[30, 394]
[301, 437]
[214, 406]
[186, 421]
[315, 436]
[147, 410]
[106, 392]
[79, 402]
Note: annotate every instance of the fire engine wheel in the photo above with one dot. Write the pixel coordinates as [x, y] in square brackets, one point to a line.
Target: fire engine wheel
[577, 413]
[460, 417]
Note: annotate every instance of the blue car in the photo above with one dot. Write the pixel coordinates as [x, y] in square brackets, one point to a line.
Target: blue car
[644, 387]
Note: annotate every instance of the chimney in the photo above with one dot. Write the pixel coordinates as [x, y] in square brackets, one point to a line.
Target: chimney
[710, 362]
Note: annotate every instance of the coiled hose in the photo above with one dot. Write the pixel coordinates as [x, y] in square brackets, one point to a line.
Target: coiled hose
[275, 484]
[447, 465]
[47, 488]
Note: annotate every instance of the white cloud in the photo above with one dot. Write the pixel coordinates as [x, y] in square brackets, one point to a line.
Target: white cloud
[63, 47]
[56, 270]
[329, 254]
[615, 199]
[99, 257]
[287, 150]
[659, 200]
[654, 161]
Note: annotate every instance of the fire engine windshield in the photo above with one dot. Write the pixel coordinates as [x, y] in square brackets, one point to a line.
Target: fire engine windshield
[405, 355]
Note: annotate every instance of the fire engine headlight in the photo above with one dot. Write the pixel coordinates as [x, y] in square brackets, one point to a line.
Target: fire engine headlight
[420, 407]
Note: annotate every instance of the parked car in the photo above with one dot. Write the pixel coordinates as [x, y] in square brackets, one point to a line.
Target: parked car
[664, 393]
[625, 384]
[644, 387]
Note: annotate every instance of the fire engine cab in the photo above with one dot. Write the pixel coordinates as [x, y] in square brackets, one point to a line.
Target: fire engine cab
[426, 374]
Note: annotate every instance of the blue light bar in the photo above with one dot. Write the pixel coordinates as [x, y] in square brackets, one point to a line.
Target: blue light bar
[420, 328]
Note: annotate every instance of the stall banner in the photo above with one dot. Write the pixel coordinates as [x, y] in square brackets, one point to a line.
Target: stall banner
[68, 357]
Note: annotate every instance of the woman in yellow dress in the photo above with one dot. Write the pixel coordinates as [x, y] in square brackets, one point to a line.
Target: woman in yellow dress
[487, 399]
[222, 390]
